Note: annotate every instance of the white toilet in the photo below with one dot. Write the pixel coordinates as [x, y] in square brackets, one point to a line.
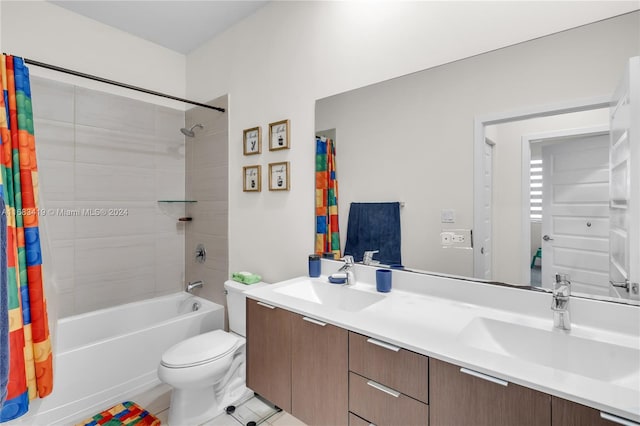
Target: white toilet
[207, 372]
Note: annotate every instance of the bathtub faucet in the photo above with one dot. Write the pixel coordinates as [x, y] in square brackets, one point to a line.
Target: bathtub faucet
[196, 284]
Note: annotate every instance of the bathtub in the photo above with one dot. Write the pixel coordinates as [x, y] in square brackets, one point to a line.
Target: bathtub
[108, 356]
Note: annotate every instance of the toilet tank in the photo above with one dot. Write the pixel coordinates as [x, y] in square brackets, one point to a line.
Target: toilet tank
[236, 305]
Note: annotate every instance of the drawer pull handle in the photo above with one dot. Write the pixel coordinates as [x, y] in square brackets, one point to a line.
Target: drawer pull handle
[383, 388]
[484, 376]
[265, 305]
[616, 419]
[384, 345]
[314, 321]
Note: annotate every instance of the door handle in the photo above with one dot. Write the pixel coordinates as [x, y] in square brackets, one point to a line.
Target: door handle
[629, 286]
[385, 345]
[622, 284]
[314, 321]
[616, 419]
[265, 305]
[547, 238]
[484, 376]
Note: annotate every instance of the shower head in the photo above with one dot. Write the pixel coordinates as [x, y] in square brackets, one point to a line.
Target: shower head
[190, 132]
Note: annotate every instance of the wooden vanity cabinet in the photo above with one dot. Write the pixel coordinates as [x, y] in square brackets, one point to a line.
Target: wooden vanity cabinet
[269, 352]
[326, 375]
[298, 363]
[457, 398]
[319, 364]
[568, 413]
[388, 385]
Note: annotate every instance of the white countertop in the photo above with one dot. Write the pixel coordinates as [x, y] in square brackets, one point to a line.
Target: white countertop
[429, 315]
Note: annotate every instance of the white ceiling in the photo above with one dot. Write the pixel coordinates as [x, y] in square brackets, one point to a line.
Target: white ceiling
[180, 25]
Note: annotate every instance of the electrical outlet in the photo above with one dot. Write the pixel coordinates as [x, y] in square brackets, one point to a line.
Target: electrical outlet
[456, 238]
[446, 238]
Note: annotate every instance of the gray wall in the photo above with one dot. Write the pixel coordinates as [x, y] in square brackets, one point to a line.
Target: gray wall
[101, 151]
[207, 181]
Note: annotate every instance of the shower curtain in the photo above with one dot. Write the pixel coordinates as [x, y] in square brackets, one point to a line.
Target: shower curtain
[327, 231]
[30, 356]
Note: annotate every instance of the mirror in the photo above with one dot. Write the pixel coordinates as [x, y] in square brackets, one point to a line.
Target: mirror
[411, 139]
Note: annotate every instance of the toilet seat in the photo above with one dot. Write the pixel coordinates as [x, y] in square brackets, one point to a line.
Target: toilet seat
[200, 349]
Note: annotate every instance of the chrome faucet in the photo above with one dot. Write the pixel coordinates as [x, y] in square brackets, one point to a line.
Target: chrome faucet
[347, 268]
[190, 286]
[560, 302]
[367, 259]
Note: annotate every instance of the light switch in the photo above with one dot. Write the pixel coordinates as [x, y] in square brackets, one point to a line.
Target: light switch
[448, 216]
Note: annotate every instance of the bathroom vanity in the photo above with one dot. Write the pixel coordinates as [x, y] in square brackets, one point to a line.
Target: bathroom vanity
[439, 351]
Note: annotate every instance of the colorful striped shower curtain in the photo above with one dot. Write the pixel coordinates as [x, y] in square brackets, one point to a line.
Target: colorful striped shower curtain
[30, 356]
[327, 230]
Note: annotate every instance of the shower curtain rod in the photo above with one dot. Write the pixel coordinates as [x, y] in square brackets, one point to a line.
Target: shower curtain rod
[117, 83]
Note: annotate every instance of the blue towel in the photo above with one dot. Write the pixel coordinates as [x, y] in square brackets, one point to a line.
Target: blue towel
[374, 226]
[4, 307]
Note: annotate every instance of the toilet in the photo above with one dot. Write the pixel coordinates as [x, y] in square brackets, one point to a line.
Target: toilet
[207, 372]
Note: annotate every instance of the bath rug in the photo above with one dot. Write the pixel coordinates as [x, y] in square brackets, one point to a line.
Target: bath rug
[128, 413]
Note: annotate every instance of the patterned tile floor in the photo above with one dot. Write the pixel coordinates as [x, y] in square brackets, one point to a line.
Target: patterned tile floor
[251, 410]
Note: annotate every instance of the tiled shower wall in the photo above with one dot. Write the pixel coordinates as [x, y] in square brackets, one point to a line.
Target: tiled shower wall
[104, 161]
[207, 165]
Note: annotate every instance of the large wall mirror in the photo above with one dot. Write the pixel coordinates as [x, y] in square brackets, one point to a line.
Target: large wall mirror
[415, 139]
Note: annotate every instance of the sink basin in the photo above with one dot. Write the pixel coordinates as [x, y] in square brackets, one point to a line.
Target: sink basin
[590, 358]
[330, 295]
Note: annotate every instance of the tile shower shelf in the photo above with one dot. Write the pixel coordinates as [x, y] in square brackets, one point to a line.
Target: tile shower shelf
[176, 209]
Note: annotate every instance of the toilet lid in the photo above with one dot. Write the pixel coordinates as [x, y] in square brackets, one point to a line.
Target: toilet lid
[200, 349]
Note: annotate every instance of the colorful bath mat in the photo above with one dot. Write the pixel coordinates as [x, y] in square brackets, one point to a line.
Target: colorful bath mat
[128, 413]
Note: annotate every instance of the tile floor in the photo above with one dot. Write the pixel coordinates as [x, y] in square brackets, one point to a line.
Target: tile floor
[251, 410]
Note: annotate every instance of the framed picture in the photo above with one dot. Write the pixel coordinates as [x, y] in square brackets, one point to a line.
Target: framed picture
[252, 141]
[279, 176]
[252, 178]
[279, 135]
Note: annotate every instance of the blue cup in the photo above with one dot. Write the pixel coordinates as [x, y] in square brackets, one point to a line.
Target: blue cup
[383, 280]
[314, 265]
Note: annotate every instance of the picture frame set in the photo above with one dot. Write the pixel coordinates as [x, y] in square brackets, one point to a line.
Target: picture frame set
[279, 172]
[279, 176]
[252, 178]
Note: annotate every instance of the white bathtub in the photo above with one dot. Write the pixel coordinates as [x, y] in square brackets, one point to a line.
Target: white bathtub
[106, 356]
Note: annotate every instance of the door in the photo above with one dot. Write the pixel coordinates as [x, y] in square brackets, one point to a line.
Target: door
[269, 352]
[575, 218]
[463, 397]
[624, 260]
[319, 366]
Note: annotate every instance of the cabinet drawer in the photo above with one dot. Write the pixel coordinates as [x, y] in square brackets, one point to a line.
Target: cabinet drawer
[358, 421]
[402, 370]
[383, 407]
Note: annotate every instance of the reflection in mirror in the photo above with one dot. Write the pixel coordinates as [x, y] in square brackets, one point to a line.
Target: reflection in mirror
[412, 139]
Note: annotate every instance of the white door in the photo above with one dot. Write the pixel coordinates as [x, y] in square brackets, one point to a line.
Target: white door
[486, 249]
[575, 218]
[624, 262]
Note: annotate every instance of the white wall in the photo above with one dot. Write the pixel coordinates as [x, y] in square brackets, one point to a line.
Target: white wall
[44, 32]
[277, 62]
